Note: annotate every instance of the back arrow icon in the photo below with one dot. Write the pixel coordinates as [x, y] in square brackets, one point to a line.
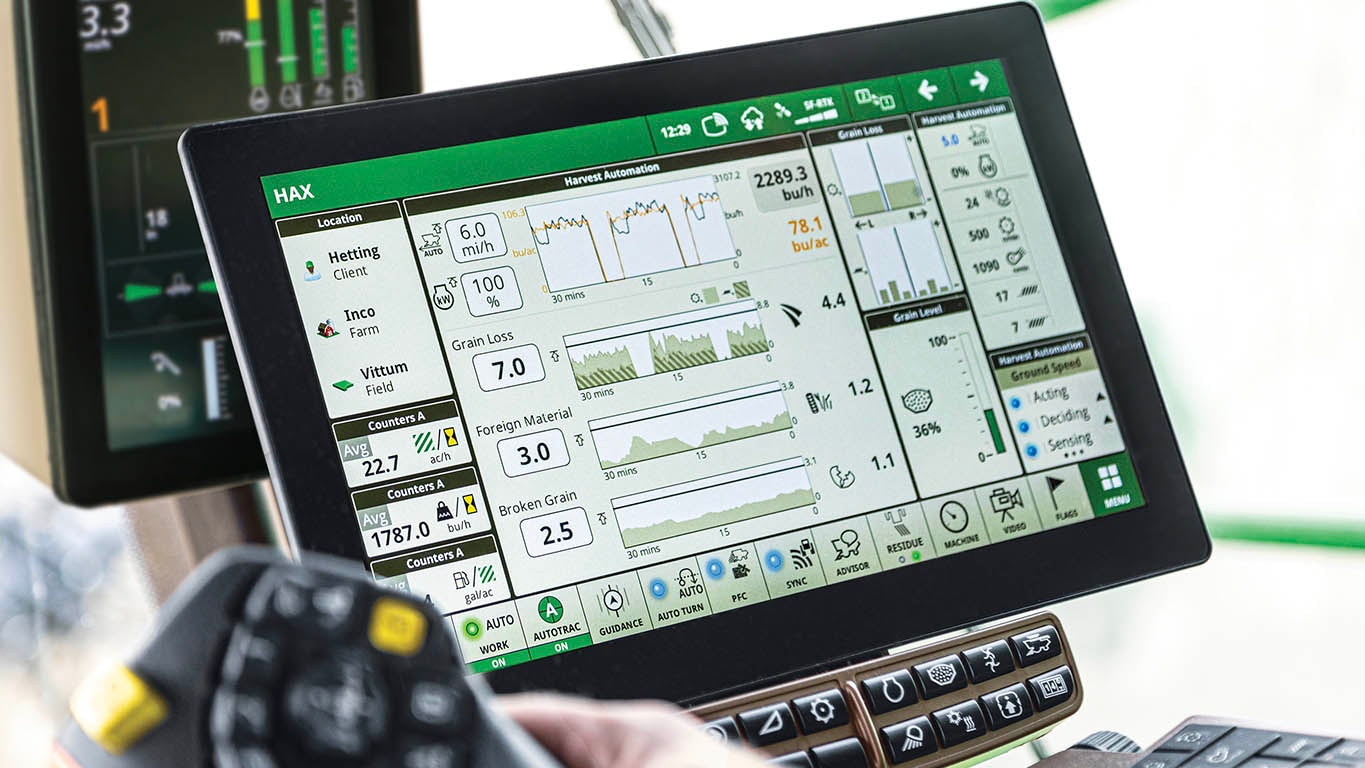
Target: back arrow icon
[927, 91]
[980, 81]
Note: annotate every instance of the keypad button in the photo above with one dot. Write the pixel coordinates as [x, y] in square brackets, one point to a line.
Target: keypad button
[117, 708]
[941, 676]
[821, 711]
[1346, 752]
[241, 717]
[889, 692]
[1037, 645]
[848, 753]
[1193, 738]
[1007, 707]
[723, 730]
[959, 724]
[397, 627]
[989, 661]
[436, 705]
[431, 756]
[1052, 689]
[794, 760]
[909, 740]
[1292, 746]
[1162, 760]
[339, 706]
[252, 657]
[1233, 749]
[768, 725]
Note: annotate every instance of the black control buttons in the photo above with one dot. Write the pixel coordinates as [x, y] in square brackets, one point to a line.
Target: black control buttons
[1052, 689]
[1193, 738]
[1037, 645]
[1162, 760]
[941, 676]
[1300, 747]
[1233, 749]
[909, 740]
[960, 723]
[821, 711]
[889, 692]
[768, 725]
[989, 661]
[1007, 707]
[848, 753]
[723, 730]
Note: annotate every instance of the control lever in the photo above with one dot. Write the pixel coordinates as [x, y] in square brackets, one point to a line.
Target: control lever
[257, 662]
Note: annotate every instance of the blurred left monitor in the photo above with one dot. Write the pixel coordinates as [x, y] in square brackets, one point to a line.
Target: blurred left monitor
[140, 390]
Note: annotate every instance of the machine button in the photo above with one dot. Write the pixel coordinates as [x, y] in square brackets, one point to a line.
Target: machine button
[768, 725]
[1345, 752]
[941, 676]
[1053, 688]
[431, 756]
[251, 657]
[821, 711]
[240, 717]
[889, 692]
[396, 627]
[794, 760]
[1036, 646]
[960, 723]
[117, 708]
[1233, 749]
[1162, 760]
[1292, 746]
[841, 754]
[989, 661]
[723, 730]
[1007, 707]
[909, 740]
[1193, 738]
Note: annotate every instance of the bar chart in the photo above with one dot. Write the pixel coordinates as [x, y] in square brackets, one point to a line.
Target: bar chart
[877, 175]
[905, 262]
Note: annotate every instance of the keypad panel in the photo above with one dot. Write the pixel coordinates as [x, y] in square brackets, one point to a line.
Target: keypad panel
[1208, 743]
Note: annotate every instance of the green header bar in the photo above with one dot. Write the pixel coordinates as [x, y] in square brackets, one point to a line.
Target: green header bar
[469, 165]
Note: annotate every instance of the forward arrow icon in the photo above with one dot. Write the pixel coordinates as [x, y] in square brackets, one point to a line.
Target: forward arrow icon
[927, 90]
[979, 81]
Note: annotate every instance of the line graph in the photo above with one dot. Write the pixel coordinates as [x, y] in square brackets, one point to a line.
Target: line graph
[665, 344]
[690, 425]
[630, 233]
[712, 502]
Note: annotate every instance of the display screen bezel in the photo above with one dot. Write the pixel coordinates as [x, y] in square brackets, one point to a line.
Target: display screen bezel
[799, 634]
[85, 470]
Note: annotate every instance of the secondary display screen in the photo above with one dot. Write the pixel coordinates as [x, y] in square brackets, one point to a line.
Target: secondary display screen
[605, 380]
[150, 69]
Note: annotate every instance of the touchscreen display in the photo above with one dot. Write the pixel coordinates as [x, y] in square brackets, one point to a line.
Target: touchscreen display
[150, 69]
[605, 380]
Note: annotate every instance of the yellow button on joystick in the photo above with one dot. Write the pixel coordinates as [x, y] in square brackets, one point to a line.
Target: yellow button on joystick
[396, 627]
[116, 708]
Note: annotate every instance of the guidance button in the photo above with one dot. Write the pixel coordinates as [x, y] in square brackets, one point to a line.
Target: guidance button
[768, 725]
[1007, 707]
[1036, 646]
[989, 661]
[889, 692]
[1052, 688]
[910, 740]
[822, 711]
[960, 724]
[941, 676]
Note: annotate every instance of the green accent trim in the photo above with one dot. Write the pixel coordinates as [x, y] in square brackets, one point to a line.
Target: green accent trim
[499, 662]
[289, 62]
[255, 41]
[994, 753]
[563, 645]
[1052, 9]
[1344, 534]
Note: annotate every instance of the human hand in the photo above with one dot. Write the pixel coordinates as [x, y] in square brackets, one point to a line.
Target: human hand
[582, 733]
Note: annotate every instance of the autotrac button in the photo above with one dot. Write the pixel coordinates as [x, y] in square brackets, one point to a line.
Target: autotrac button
[989, 661]
[794, 760]
[1052, 688]
[1193, 738]
[1006, 707]
[841, 754]
[1038, 645]
[960, 723]
[723, 730]
[889, 692]
[909, 740]
[1233, 749]
[768, 725]
[821, 711]
[941, 676]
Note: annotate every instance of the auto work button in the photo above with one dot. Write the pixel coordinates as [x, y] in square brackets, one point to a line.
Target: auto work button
[1038, 645]
[941, 676]
[889, 692]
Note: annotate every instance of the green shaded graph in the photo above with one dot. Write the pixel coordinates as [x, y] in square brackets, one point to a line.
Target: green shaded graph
[690, 425]
[666, 344]
[634, 537]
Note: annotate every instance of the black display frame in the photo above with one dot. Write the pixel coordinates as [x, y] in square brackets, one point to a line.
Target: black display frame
[66, 287]
[771, 641]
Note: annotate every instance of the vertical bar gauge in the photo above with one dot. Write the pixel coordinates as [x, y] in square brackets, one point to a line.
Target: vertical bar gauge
[255, 52]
